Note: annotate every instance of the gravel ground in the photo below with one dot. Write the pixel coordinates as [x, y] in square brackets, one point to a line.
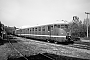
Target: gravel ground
[7, 51]
[28, 48]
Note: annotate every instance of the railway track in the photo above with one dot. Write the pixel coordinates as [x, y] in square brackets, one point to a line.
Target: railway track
[8, 38]
[75, 45]
[26, 58]
[80, 46]
[49, 57]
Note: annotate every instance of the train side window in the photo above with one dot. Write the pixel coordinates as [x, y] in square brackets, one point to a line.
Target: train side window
[28, 29]
[24, 30]
[66, 26]
[35, 29]
[62, 26]
[58, 26]
[43, 28]
[20, 30]
[39, 29]
[32, 29]
[49, 28]
[55, 26]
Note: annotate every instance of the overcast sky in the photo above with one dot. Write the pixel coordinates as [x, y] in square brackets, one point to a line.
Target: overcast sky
[31, 12]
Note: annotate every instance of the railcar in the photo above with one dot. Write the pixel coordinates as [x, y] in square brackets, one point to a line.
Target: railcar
[57, 32]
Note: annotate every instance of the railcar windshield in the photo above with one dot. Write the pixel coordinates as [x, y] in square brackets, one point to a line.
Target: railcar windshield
[50, 27]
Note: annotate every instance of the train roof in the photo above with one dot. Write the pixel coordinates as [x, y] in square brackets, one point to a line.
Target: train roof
[57, 22]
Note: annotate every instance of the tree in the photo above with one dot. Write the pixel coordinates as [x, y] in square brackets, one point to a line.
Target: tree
[76, 27]
[10, 30]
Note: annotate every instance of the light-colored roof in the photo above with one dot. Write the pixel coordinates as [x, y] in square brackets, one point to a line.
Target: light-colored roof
[56, 22]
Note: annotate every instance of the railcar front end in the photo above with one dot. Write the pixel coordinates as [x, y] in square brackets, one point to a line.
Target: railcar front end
[61, 35]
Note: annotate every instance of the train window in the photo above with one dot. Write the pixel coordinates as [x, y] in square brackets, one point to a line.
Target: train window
[35, 29]
[20, 30]
[55, 26]
[66, 26]
[32, 29]
[62, 26]
[39, 29]
[28, 29]
[58, 26]
[49, 28]
[43, 28]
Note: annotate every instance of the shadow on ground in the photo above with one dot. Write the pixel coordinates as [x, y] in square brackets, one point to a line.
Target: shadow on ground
[46, 56]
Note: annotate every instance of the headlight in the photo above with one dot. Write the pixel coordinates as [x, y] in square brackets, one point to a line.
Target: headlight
[68, 37]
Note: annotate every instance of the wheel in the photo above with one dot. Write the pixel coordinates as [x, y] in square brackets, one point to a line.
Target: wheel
[55, 42]
[47, 40]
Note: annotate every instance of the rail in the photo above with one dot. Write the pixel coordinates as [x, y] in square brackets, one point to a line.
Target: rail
[23, 55]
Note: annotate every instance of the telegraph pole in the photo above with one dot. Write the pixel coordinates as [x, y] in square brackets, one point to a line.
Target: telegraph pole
[87, 22]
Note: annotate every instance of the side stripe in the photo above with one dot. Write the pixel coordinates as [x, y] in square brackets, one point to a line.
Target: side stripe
[42, 35]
